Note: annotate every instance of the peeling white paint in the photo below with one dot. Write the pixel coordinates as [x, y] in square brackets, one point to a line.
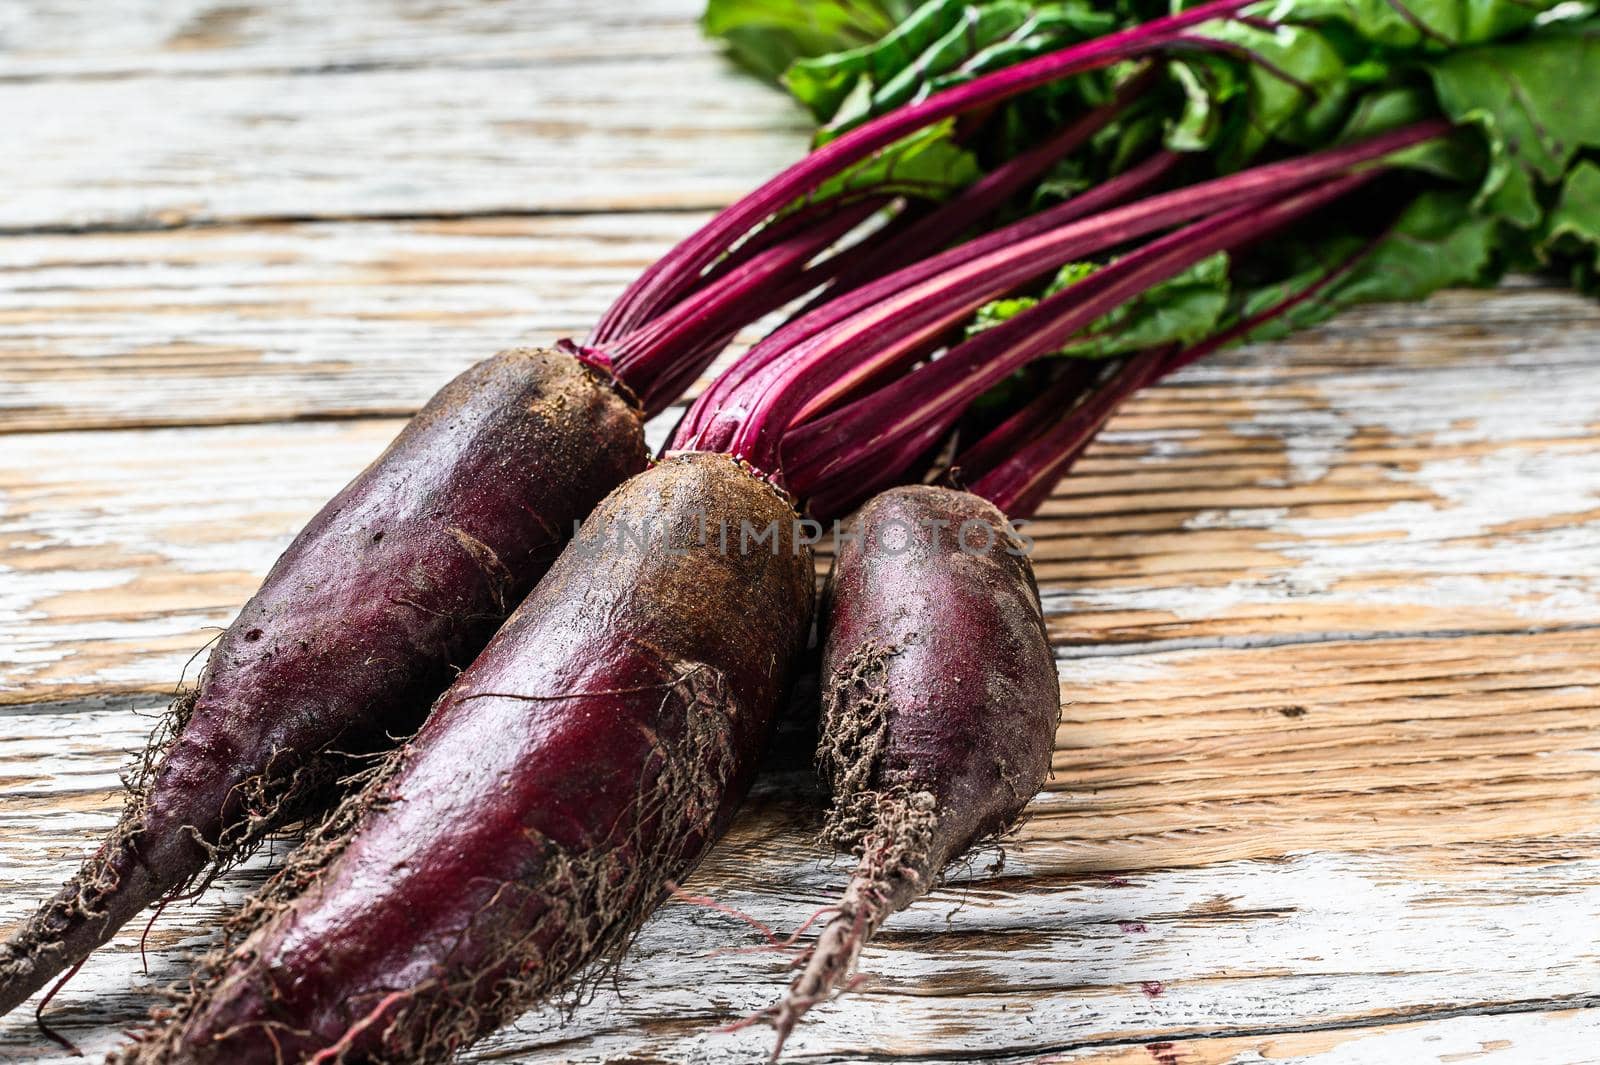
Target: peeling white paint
[1313, 440]
[1457, 545]
[1078, 674]
[1238, 518]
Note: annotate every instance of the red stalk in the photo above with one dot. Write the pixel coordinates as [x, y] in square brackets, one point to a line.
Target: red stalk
[702, 423]
[672, 275]
[757, 286]
[1022, 482]
[1035, 417]
[861, 435]
[763, 280]
[821, 364]
[895, 246]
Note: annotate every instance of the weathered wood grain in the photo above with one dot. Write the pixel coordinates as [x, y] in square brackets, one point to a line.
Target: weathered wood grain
[1090, 934]
[1546, 1038]
[259, 323]
[149, 151]
[281, 322]
[1074, 943]
[1181, 758]
[1278, 495]
[1237, 716]
[560, 115]
[116, 38]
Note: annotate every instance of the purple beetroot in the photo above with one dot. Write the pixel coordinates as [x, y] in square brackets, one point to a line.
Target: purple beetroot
[939, 708]
[593, 752]
[392, 587]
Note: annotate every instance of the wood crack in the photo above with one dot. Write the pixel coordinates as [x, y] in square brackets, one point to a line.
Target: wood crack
[1003, 1055]
[147, 224]
[1068, 650]
[337, 69]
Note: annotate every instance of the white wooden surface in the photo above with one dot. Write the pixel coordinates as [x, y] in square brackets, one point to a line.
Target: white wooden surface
[1326, 613]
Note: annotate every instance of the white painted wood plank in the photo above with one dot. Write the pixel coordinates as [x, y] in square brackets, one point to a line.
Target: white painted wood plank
[1009, 963]
[1563, 1037]
[281, 322]
[107, 38]
[682, 131]
[1233, 754]
[1433, 506]
[257, 323]
[1293, 790]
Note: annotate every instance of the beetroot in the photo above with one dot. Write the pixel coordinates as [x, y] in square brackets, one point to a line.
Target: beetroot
[593, 751]
[402, 578]
[940, 704]
[393, 586]
[524, 834]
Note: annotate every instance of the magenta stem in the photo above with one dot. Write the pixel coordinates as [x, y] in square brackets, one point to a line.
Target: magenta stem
[823, 368]
[1242, 329]
[714, 416]
[649, 360]
[673, 274]
[859, 435]
[671, 345]
[1032, 419]
[1021, 484]
[792, 224]
[895, 246]
[803, 379]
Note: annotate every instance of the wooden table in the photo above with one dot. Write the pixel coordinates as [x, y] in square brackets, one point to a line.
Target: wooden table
[1326, 612]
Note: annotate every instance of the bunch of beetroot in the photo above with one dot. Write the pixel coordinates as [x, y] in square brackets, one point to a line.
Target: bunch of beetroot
[616, 691]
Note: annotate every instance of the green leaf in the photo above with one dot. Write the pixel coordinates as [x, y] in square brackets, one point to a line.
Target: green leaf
[1426, 25]
[1047, 28]
[1578, 212]
[927, 165]
[768, 35]
[1513, 188]
[826, 83]
[1534, 102]
[994, 312]
[1458, 159]
[1181, 310]
[1298, 85]
[1310, 263]
[942, 43]
[1207, 82]
[1572, 231]
[1437, 242]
